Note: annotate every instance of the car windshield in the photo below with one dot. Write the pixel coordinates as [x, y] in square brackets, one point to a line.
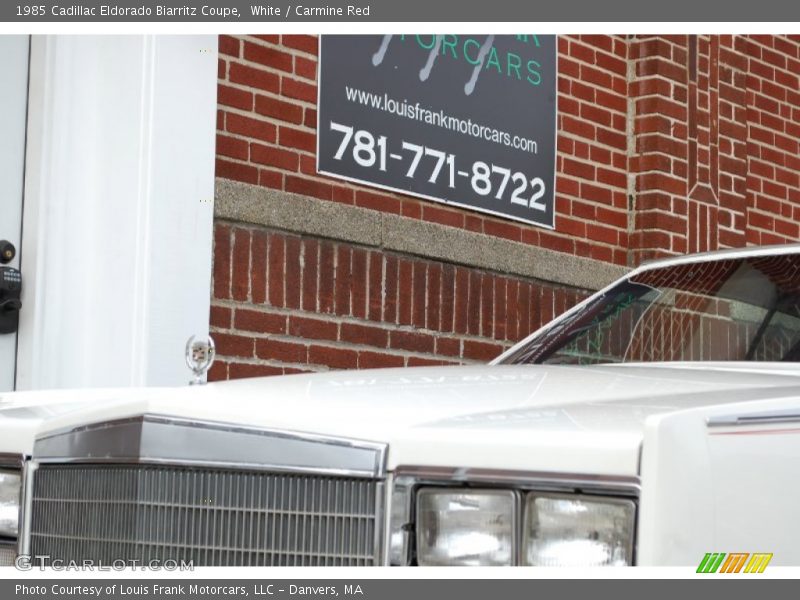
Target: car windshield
[743, 309]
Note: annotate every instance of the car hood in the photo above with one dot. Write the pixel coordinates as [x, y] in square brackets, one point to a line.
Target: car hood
[536, 418]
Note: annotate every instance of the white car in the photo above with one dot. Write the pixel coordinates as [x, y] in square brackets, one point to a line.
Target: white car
[654, 423]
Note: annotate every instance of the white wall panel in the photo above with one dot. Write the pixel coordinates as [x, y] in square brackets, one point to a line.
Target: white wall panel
[119, 208]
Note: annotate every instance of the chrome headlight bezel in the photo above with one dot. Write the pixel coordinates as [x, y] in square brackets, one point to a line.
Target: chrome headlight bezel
[406, 481]
[10, 503]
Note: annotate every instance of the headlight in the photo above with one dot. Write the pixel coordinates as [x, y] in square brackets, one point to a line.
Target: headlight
[9, 503]
[466, 527]
[576, 531]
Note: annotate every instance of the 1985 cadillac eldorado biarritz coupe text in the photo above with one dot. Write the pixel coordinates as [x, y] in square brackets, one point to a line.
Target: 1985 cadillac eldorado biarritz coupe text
[655, 422]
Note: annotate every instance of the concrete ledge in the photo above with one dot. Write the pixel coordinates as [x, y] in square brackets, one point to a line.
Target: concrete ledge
[309, 216]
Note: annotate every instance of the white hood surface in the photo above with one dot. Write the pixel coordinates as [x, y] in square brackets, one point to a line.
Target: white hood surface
[587, 420]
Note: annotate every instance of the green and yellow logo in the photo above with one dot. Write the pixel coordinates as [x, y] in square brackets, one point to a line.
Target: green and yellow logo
[735, 562]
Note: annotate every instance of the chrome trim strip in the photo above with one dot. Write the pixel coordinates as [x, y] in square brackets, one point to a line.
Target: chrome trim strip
[765, 418]
[11, 461]
[540, 480]
[380, 522]
[726, 253]
[163, 439]
[24, 541]
[386, 504]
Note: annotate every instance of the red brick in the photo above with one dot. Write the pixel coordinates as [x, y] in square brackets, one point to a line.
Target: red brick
[251, 127]
[500, 307]
[258, 267]
[310, 119]
[362, 334]
[461, 297]
[375, 201]
[376, 360]
[513, 291]
[502, 229]
[596, 114]
[416, 361]
[335, 358]
[300, 90]
[448, 346]
[278, 109]
[577, 127]
[578, 169]
[308, 187]
[312, 329]
[453, 218]
[342, 282]
[327, 253]
[240, 282]
[419, 277]
[294, 138]
[524, 309]
[234, 345]
[411, 341]
[230, 96]
[405, 290]
[433, 300]
[267, 56]
[260, 322]
[270, 39]
[474, 303]
[305, 67]
[391, 279]
[244, 370]
[218, 371]
[275, 258]
[229, 45]
[310, 271]
[222, 261]
[375, 297]
[306, 43]
[568, 67]
[293, 274]
[482, 351]
[274, 156]
[358, 283]
[271, 179]
[448, 298]
[272, 349]
[220, 317]
[253, 77]
[236, 171]
[487, 305]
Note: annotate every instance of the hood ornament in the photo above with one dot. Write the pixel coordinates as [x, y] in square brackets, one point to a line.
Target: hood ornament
[200, 355]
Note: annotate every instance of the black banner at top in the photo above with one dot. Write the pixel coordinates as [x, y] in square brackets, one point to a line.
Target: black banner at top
[355, 11]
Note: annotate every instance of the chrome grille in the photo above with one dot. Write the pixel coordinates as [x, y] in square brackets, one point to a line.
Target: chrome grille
[208, 516]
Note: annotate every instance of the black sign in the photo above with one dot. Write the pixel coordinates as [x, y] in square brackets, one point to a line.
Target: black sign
[469, 120]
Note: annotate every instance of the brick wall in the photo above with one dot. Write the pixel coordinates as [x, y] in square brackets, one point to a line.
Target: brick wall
[716, 124]
[666, 144]
[286, 303]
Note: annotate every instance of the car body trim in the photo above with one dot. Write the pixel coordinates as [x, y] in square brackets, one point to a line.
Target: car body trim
[162, 439]
[765, 418]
